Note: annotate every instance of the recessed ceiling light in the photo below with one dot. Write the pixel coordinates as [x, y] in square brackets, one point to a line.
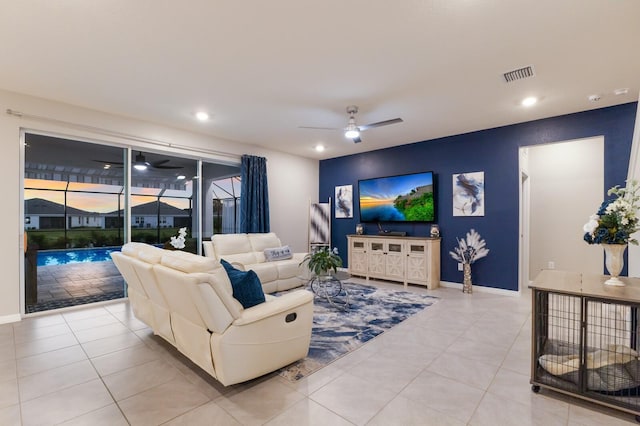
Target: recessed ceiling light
[319, 148]
[623, 91]
[202, 116]
[531, 100]
[181, 177]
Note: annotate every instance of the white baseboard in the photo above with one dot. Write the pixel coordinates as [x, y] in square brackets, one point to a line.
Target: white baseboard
[10, 318]
[481, 289]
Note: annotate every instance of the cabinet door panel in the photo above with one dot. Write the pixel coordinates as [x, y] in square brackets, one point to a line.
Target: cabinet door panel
[417, 268]
[358, 262]
[416, 249]
[394, 266]
[377, 247]
[394, 248]
[377, 263]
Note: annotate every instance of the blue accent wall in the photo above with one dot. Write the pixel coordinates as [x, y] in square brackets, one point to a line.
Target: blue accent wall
[494, 151]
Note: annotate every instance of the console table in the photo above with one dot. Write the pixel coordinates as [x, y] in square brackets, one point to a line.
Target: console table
[410, 260]
[584, 338]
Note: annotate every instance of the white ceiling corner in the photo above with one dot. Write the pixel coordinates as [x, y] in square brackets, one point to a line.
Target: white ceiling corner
[262, 69]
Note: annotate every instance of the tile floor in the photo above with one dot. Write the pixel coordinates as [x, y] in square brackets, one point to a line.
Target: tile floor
[74, 284]
[463, 361]
[77, 279]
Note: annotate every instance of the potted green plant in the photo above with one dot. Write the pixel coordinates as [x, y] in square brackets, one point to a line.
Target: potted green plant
[323, 260]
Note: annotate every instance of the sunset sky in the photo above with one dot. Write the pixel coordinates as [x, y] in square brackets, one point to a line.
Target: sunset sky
[96, 202]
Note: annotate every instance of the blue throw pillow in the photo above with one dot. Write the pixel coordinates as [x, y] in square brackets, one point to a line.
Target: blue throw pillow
[247, 288]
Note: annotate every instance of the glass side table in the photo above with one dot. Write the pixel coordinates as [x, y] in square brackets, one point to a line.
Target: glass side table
[331, 288]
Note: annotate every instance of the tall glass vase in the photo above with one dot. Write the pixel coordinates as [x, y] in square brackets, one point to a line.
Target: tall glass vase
[614, 261]
[467, 287]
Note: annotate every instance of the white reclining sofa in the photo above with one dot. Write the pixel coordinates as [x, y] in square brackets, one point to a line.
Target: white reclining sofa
[247, 252]
[188, 300]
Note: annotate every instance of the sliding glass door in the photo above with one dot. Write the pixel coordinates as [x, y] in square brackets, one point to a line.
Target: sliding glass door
[221, 195]
[71, 202]
[163, 199]
[78, 208]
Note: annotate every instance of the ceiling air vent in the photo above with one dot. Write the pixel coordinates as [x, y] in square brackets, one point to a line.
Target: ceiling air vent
[519, 74]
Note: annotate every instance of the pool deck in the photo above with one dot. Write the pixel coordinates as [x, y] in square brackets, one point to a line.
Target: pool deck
[75, 284]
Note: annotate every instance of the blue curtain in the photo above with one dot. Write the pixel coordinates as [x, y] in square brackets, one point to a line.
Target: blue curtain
[254, 198]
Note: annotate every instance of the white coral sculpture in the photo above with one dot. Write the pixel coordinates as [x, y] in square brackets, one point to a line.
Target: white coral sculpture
[471, 249]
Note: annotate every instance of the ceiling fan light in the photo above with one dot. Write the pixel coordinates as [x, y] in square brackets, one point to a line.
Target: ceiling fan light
[202, 115]
[352, 130]
[352, 134]
[141, 162]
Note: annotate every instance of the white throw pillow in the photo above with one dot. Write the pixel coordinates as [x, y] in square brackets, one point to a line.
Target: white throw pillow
[277, 253]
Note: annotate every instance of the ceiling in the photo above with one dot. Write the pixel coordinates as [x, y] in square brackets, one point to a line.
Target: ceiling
[262, 69]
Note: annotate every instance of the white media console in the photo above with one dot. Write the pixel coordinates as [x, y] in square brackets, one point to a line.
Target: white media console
[410, 260]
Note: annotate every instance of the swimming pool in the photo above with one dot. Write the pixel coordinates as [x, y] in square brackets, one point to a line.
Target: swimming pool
[63, 257]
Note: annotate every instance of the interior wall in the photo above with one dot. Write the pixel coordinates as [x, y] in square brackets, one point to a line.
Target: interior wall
[633, 251]
[494, 151]
[288, 197]
[566, 186]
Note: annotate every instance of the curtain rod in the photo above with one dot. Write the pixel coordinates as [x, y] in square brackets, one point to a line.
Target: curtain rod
[112, 133]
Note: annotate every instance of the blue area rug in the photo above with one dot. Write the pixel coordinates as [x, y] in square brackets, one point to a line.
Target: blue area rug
[337, 332]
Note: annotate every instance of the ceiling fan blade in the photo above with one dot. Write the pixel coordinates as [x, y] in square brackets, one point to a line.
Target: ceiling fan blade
[161, 165]
[357, 139]
[166, 167]
[380, 124]
[318, 128]
[109, 162]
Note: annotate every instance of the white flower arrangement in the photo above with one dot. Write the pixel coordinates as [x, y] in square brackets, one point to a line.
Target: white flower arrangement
[616, 219]
[471, 249]
[178, 241]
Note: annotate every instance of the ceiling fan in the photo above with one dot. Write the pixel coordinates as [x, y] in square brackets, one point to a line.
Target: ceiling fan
[352, 131]
[141, 163]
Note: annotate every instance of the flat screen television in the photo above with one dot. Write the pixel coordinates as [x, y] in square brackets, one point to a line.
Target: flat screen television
[402, 198]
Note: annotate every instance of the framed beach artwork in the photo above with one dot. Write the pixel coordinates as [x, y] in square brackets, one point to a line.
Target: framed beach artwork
[468, 194]
[344, 202]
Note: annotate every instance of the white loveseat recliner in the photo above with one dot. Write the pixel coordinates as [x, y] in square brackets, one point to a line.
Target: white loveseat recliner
[246, 251]
[188, 300]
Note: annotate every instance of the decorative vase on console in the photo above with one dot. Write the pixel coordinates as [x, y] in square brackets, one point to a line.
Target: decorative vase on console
[614, 261]
[612, 227]
[468, 251]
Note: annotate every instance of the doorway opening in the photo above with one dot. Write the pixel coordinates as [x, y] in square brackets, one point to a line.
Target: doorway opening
[560, 185]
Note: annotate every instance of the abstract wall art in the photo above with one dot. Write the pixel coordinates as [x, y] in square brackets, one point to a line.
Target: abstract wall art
[468, 194]
[319, 224]
[344, 201]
